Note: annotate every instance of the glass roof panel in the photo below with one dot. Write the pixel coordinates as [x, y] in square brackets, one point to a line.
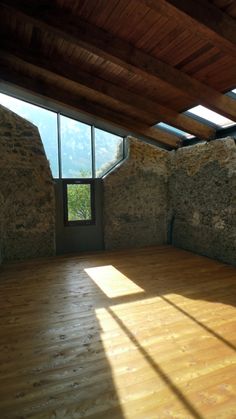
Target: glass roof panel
[174, 130]
[211, 116]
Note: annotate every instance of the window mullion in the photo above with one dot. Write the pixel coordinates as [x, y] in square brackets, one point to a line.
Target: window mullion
[93, 151]
[59, 144]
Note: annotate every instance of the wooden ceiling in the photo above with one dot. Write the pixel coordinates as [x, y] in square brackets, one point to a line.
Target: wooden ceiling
[132, 63]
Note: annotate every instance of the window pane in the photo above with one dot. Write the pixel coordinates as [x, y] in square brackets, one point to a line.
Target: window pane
[79, 202]
[45, 120]
[108, 151]
[76, 153]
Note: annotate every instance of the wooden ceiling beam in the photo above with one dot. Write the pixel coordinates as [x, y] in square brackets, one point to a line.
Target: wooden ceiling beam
[118, 51]
[100, 99]
[45, 89]
[96, 84]
[201, 18]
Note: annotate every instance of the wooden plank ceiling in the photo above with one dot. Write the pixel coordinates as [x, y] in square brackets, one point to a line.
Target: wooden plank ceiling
[131, 63]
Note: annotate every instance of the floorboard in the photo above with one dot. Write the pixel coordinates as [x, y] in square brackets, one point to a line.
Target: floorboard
[145, 333]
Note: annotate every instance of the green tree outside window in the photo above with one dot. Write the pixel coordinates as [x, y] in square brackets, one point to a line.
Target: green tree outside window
[79, 202]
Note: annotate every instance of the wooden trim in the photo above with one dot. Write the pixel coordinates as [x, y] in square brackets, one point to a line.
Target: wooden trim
[122, 53]
[152, 108]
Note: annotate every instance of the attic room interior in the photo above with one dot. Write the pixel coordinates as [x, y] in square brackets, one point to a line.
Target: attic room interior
[118, 209]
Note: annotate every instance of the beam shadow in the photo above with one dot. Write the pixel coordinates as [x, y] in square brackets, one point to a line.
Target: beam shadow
[145, 295]
[208, 329]
[173, 286]
[157, 368]
[97, 274]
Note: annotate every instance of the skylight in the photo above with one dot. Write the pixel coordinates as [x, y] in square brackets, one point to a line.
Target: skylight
[211, 116]
[174, 130]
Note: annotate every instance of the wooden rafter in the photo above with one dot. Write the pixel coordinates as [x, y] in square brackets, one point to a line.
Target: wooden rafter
[45, 89]
[122, 53]
[98, 85]
[202, 18]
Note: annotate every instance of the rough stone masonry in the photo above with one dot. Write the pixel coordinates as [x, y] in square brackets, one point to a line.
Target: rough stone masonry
[27, 212]
[203, 199]
[185, 197]
[136, 198]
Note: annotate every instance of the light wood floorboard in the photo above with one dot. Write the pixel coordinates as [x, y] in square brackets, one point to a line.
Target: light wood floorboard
[138, 334]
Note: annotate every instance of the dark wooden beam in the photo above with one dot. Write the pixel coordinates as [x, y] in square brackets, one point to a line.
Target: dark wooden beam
[96, 84]
[46, 89]
[91, 95]
[115, 50]
[201, 18]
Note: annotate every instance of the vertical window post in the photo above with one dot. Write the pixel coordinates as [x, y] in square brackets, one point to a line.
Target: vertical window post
[93, 152]
[59, 144]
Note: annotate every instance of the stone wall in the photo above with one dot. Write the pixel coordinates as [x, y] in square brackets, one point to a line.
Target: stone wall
[203, 199]
[1, 226]
[186, 197]
[27, 213]
[136, 198]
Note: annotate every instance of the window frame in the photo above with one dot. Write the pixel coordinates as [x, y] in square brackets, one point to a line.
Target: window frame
[80, 181]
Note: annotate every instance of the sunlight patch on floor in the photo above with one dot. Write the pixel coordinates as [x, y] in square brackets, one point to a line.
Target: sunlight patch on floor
[141, 384]
[112, 282]
[150, 361]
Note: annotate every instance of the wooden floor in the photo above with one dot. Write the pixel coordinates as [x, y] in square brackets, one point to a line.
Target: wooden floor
[147, 333]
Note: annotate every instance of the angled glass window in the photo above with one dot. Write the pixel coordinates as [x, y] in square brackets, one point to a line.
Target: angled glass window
[211, 116]
[45, 120]
[76, 150]
[174, 130]
[108, 151]
[73, 152]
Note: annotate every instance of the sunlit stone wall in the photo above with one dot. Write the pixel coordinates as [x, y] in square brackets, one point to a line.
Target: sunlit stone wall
[185, 197]
[136, 198]
[27, 212]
